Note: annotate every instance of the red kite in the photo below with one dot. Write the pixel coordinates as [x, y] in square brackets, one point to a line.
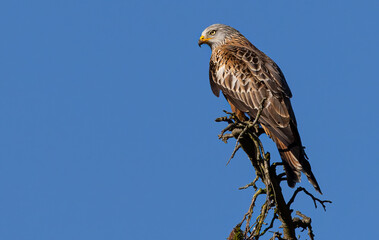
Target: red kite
[246, 76]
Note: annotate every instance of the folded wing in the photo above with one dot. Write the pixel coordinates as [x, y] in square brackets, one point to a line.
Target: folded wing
[246, 76]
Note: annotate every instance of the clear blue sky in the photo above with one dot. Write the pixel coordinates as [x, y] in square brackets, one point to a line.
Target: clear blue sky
[107, 118]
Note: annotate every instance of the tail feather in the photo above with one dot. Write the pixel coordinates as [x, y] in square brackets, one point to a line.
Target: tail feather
[308, 172]
[294, 161]
[292, 166]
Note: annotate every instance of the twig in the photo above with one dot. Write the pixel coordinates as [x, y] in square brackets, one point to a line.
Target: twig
[234, 153]
[315, 200]
[282, 177]
[253, 183]
[271, 224]
[248, 215]
[229, 127]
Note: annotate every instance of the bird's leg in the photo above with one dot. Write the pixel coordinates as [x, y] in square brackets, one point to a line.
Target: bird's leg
[239, 114]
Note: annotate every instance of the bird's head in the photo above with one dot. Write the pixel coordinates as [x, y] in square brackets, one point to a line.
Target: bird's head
[216, 34]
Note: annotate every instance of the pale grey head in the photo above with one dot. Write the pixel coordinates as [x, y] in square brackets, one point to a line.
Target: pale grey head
[216, 34]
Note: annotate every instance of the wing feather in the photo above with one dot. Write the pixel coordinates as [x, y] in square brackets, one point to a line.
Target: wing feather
[247, 77]
[212, 78]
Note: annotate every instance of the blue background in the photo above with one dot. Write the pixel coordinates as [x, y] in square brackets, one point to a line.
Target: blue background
[107, 118]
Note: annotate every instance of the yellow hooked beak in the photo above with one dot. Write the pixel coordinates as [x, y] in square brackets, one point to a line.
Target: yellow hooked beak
[203, 40]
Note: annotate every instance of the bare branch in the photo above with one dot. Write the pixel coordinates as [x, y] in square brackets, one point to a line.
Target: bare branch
[251, 184]
[315, 200]
[247, 135]
[271, 224]
[237, 147]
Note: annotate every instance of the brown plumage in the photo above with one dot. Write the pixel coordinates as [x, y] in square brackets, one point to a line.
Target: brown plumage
[245, 76]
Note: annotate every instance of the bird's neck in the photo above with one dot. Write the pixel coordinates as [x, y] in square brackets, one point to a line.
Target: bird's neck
[238, 40]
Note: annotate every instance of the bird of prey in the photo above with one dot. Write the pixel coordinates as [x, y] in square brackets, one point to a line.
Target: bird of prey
[246, 76]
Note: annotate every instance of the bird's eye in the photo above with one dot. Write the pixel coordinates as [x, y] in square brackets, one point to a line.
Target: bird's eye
[213, 32]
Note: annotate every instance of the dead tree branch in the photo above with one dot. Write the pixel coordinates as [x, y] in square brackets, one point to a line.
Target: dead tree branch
[247, 135]
[315, 200]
